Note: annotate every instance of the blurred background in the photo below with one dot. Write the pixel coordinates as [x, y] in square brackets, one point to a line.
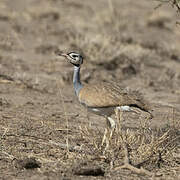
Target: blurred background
[120, 41]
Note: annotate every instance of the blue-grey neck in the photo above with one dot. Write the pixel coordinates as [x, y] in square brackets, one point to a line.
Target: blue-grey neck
[76, 80]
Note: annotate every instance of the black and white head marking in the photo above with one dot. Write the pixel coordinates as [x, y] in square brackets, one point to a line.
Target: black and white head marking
[75, 58]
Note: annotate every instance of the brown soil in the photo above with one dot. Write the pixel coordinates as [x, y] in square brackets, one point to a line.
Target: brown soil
[129, 42]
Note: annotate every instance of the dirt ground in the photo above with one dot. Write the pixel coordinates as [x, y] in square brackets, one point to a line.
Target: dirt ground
[44, 132]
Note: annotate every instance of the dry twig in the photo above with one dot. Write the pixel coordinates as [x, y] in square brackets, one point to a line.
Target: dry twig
[127, 164]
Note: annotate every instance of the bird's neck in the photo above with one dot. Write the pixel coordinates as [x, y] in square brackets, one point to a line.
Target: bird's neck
[76, 80]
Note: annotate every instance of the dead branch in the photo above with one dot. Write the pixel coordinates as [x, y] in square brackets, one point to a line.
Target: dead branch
[132, 168]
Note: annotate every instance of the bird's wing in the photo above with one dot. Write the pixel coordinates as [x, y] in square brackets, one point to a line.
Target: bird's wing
[109, 95]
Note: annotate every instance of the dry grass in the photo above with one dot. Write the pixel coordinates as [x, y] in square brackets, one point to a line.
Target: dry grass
[173, 3]
[143, 151]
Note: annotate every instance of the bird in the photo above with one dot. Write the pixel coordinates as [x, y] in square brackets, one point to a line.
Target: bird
[104, 98]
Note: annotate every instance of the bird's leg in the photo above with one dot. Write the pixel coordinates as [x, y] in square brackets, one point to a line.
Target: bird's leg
[111, 124]
[108, 131]
[118, 113]
[104, 137]
[105, 134]
[87, 115]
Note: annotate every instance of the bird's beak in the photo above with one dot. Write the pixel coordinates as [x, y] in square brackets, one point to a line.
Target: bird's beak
[63, 54]
[59, 53]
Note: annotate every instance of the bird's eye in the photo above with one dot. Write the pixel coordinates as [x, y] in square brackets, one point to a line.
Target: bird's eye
[74, 56]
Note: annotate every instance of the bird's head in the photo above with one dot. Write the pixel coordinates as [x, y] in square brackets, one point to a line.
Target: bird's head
[74, 58]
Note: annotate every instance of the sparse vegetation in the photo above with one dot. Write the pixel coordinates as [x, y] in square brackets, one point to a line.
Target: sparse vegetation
[173, 3]
[136, 150]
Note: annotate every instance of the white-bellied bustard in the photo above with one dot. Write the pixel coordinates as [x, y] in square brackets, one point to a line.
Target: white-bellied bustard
[104, 98]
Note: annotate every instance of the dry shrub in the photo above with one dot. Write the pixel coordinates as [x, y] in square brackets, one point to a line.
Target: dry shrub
[98, 49]
[173, 3]
[154, 150]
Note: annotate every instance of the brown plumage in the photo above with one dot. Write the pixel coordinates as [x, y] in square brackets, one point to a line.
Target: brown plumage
[111, 95]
